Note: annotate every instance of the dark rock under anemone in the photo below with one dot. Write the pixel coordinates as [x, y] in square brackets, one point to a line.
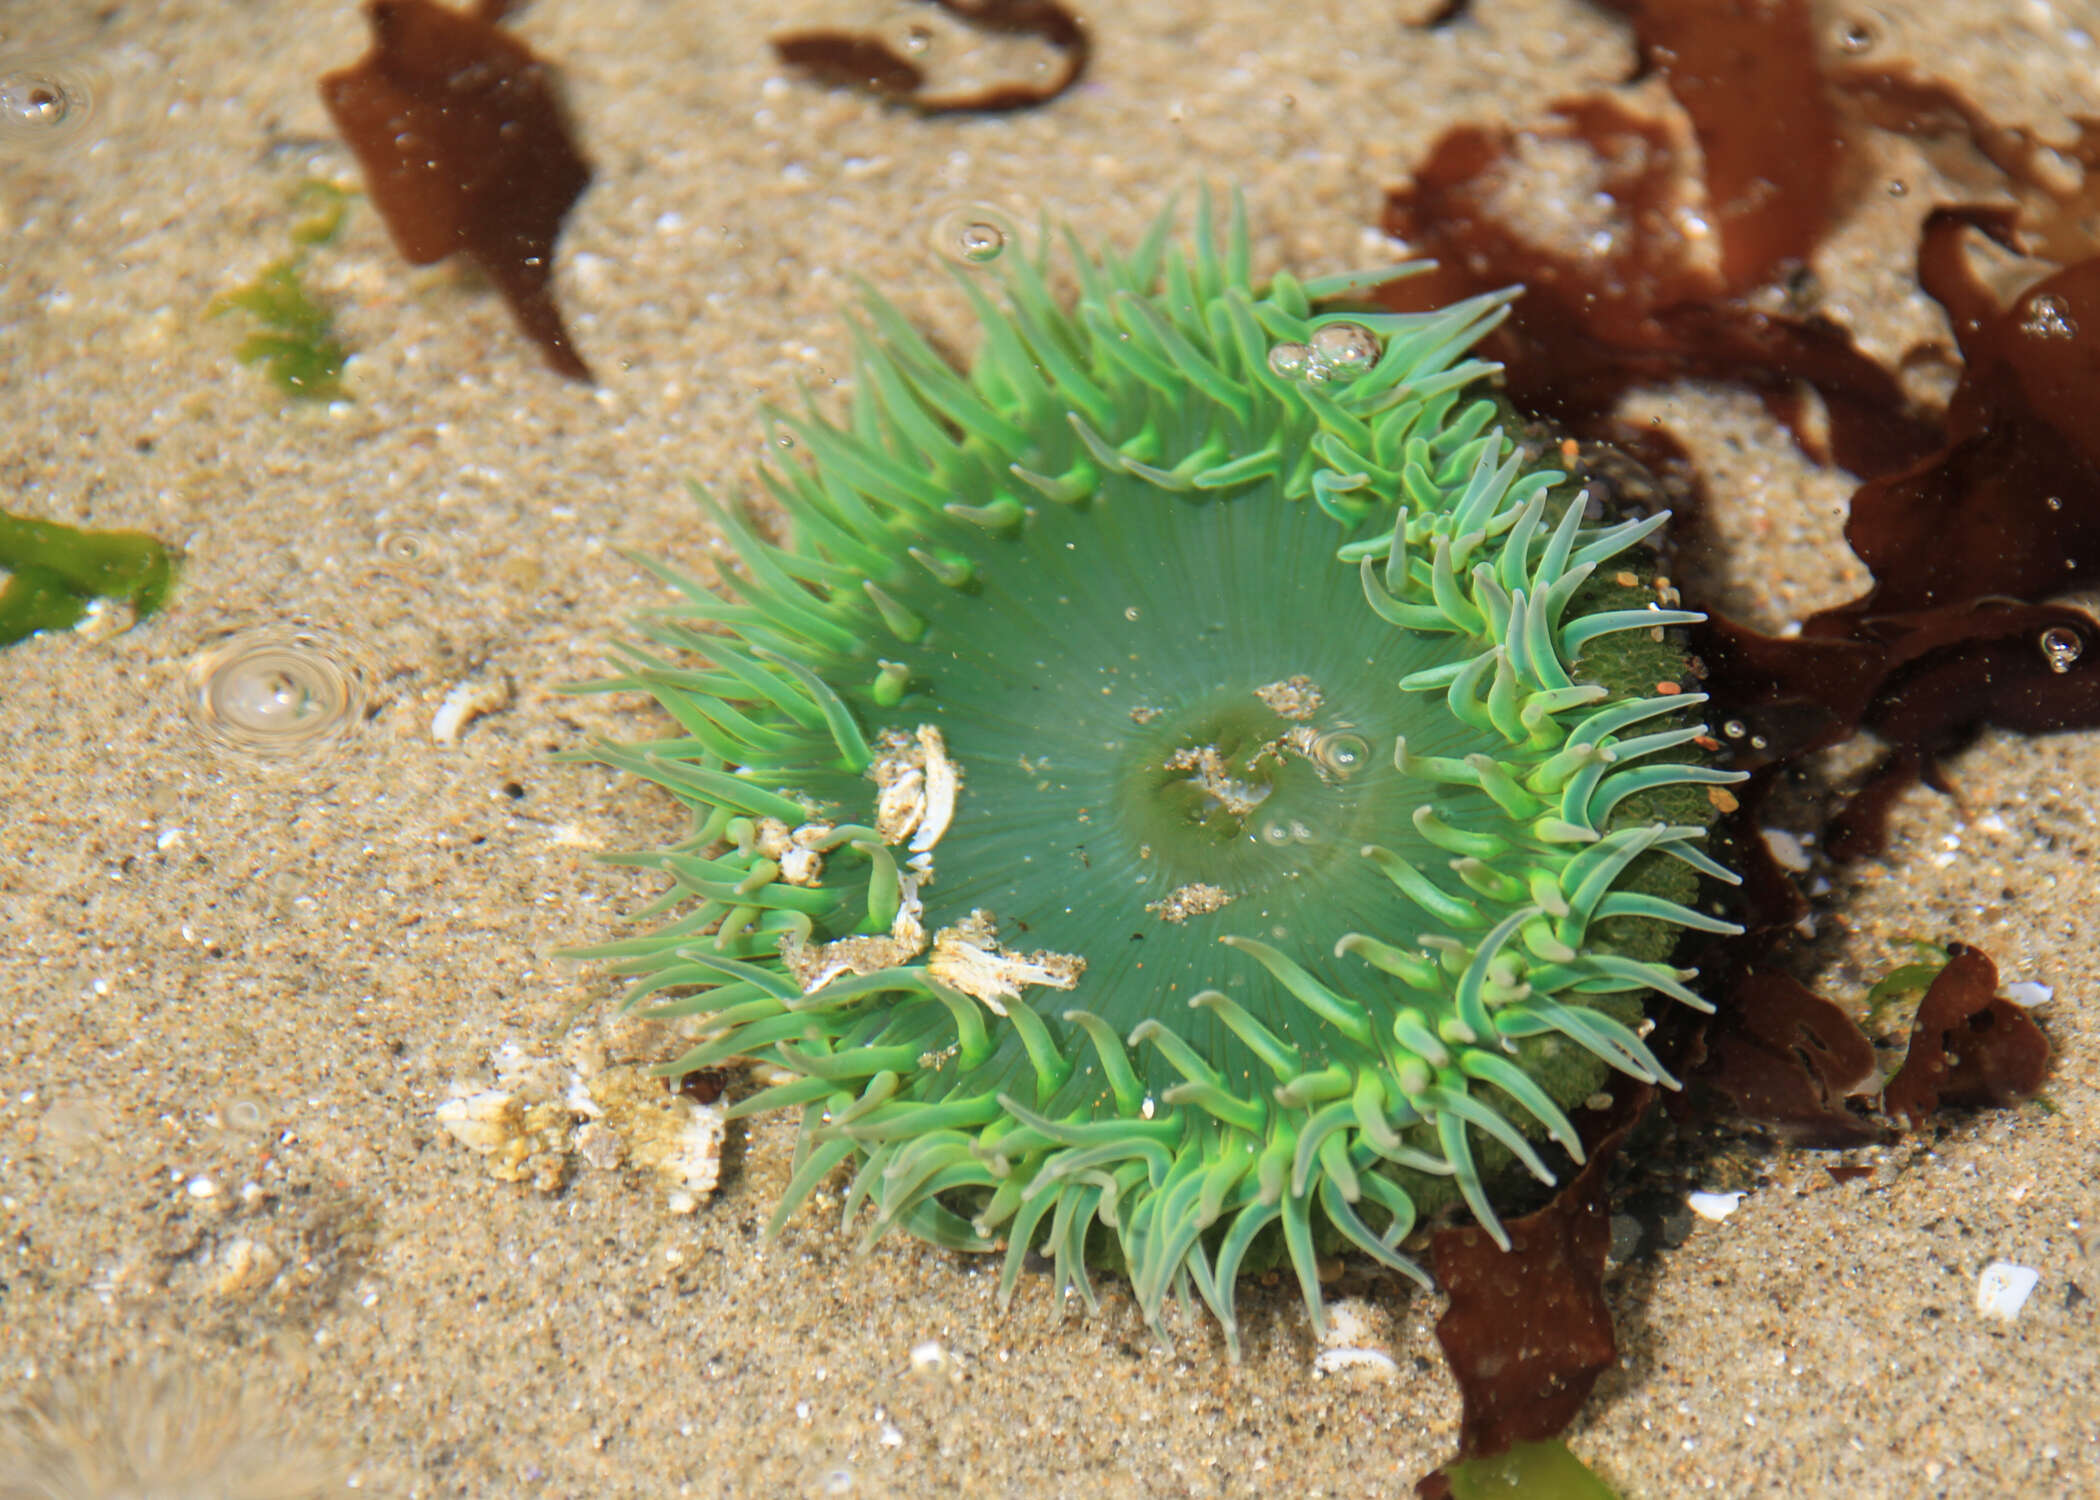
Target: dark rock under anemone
[1195, 792]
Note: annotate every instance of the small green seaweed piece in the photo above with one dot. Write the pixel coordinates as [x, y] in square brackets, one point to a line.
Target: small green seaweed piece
[327, 206]
[296, 344]
[1907, 979]
[1530, 1471]
[56, 571]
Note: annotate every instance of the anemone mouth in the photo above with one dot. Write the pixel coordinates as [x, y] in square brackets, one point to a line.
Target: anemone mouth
[1181, 799]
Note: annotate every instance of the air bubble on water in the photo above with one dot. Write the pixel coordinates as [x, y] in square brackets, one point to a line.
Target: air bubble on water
[1131, 613]
[1275, 834]
[978, 242]
[46, 102]
[1341, 350]
[1291, 361]
[277, 693]
[1735, 729]
[974, 234]
[2061, 647]
[1342, 753]
[402, 546]
[918, 40]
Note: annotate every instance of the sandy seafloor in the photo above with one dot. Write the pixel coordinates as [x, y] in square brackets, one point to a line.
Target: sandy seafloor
[220, 973]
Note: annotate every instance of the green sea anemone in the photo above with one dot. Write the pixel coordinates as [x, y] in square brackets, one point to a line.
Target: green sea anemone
[1182, 799]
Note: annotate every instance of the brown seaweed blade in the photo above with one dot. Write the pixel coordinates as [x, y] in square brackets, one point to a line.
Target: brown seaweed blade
[1973, 522]
[1967, 1046]
[865, 61]
[2011, 505]
[1528, 1330]
[465, 150]
[1789, 1059]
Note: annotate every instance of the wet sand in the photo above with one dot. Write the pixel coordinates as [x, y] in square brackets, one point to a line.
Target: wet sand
[236, 991]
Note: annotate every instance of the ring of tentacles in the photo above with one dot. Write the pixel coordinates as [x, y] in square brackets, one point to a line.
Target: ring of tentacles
[1192, 793]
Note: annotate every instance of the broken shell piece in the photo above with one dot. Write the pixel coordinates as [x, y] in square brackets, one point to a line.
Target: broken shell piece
[600, 1146]
[245, 1266]
[1334, 1361]
[484, 1121]
[772, 838]
[968, 957]
[943, 782]
[662, 1133]
[521, 1144]
[1713, 1206]
[816, 967]
[1353, 1340]
[804, 867]
[467, 701]
[916, 786]
[2003, 1288]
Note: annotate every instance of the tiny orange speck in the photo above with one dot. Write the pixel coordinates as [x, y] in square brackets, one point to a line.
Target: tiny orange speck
[1668, 689]
[1722, 798]
[1624, 579]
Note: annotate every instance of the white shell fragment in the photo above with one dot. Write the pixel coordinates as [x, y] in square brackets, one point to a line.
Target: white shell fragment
[2027, 993]
[1353, 1341]
[815, 967]
[1786, 849]
[798, 851]
[467, 701]
[2003, 1289]
[547, 1116]
[1713, 1206]
[943, 781]
[482, 1122]
[915, 787]
[1334, 1361]
[968, 957]
[693, 1158]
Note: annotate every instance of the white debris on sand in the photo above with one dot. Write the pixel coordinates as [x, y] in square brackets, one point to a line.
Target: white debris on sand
[1714, 1206]
[2026, 993]
[466, 702]
[1354, 1342]
[2003, 1289]
[546, 1115]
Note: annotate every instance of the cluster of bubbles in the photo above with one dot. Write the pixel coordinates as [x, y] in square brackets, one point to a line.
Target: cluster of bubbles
[2048, 316]
[1278, 832]
[277, 693]
[1336, 351]
[45, 103]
